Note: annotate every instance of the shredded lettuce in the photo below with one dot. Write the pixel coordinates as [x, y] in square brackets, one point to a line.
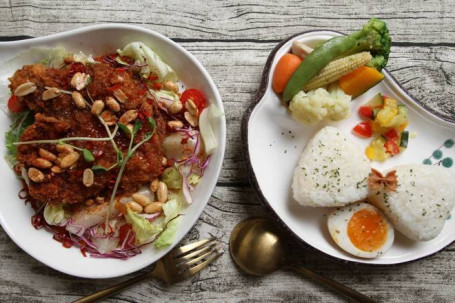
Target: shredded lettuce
[166, 94]
[193, 179]
[20, 122]
[206, 120]
[55, 214]
[172, 178]
[168, 235]
[145, 230]
[143, 54]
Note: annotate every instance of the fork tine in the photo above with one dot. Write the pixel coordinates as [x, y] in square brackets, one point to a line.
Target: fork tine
[192, 271]
[184, 249]
[196, 253]
[196, 260]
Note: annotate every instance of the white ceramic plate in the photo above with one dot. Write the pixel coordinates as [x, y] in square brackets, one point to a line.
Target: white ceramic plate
[15, 216]
[273, 143]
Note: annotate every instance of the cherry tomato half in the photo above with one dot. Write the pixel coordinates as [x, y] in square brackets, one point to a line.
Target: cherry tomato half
[363, 129]
[14, 105]
[196, 96]
[366, 112]
[391, 147]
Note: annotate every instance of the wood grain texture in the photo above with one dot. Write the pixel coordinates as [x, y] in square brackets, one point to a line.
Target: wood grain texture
[232, 39]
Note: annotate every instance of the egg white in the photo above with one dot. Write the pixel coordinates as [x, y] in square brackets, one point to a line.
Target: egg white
[337, 224]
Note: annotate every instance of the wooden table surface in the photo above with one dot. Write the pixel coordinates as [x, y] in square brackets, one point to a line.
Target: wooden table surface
[232, 39]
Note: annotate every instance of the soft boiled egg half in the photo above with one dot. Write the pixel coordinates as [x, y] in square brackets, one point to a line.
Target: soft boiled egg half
[361, 230]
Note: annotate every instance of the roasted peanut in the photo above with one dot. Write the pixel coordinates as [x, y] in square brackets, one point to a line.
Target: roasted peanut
[41, 163]
[192, 120]
[154, 207]
[161, 193]
[171, 85]
[51, 93]
[141, 199]
[25, 89]
[99, 200]
[175, 107]
[78, 99]
[57, 169]
[109, 117]
[191, 107]
[89, 202]
[69, 159]
[65, 149]
[176, 124]
[136, 207]
[35, 175]
[154, 185]
[120, 96]
[97, 107]
[112, 104]
[80, 80]
[46, 155]
[88, 177]
[128, 116]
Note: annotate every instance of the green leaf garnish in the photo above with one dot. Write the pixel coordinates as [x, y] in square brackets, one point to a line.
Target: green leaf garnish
[137, 127]
[99, 169]
[152, 122]
[124, 128]
[88, 156]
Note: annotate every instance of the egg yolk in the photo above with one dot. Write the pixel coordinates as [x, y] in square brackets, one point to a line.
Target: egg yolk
[367, 230]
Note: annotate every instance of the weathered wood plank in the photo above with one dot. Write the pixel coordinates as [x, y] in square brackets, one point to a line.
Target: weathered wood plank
[428, 21]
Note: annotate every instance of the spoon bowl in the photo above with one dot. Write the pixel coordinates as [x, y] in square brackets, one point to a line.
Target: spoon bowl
[257, 246]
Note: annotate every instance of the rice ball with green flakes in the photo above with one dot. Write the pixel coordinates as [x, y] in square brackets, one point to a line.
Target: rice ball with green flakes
[332, 171]
[422, 202]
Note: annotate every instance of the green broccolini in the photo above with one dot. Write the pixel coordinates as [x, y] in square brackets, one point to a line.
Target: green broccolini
[374, 37]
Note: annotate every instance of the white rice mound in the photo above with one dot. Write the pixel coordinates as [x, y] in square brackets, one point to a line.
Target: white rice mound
[332, 171]
[424, 198]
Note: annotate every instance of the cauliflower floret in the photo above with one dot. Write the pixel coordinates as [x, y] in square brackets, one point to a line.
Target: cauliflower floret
[321, 104]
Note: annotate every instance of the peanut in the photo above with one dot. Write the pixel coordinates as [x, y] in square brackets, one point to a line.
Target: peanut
[120, 96]
[57, 169]
[141, 199]
[112, 104]
[25, 89]
[88, 177]
[162, 192]
[64, 149]
[109, 117]
[171, 85]
[192, 120]
[51, 93]
[154, 207]
[41, 163]
[175, 124]
[175, 107]
[69, 159]
[46, 155]
[154, 185]
[128, 116]
[136, 207]
[191, 107]
[78, 99]
[97, 107]
[35, 175]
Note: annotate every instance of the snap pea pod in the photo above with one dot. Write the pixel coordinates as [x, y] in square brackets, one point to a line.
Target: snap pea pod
[315, 61]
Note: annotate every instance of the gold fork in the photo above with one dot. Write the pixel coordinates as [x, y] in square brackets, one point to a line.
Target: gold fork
[179, 264]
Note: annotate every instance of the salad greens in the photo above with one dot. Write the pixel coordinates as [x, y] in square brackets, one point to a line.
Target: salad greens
[144, 55]
[55, 214]
[20, 122]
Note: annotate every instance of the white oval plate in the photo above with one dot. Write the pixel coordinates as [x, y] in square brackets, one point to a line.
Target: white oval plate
[273, 143]
[100, 39]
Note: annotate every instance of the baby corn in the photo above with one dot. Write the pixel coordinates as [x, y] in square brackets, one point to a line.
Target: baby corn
[338, 68]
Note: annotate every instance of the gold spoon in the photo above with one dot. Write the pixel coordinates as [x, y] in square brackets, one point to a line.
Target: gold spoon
[258, 248]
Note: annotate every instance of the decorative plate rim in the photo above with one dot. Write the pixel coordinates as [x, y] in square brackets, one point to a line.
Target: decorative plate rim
[252, 175]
